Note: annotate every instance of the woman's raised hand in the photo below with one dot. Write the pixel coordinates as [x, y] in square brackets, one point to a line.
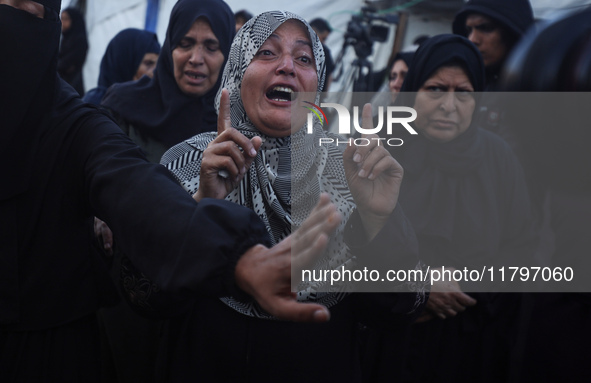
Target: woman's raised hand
[227, 158]
[268, 274]
[374, 178]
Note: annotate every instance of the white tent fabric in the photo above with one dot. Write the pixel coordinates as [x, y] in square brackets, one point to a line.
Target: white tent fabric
[103, 21]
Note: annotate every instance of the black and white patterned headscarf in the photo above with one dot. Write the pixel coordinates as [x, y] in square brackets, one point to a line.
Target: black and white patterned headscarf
[289, 173]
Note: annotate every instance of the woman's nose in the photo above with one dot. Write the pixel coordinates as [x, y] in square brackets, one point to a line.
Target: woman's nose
[286, 65]
[196, 56]
[448, 104]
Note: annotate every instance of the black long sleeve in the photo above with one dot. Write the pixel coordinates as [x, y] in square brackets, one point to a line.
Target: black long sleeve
[89, 167]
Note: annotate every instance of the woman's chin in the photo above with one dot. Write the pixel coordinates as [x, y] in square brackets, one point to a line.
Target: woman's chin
[440, 136]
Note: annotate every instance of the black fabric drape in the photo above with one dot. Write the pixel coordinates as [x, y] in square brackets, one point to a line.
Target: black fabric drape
[24, 105]
[63, 162]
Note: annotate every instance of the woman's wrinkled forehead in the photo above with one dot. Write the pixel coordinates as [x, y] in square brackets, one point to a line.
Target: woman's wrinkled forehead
[180, 29]
[258, 29]
[247, 43]
[305, 33]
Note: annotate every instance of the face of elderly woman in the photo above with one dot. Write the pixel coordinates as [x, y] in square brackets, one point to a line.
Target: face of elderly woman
[444, 105]
[197, 59]
[284, 64]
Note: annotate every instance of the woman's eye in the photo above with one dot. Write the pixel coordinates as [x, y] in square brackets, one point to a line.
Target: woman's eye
[264, 52]
[464, 95]
[435, 92]
[213, 48]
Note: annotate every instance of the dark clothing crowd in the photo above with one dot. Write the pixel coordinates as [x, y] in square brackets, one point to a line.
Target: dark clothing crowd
[155, 228]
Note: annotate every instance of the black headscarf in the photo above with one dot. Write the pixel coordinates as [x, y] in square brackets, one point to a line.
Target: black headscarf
[121, 60]
[462, 154]
[404, 56]
[28, 92]
[439, 51]
[157, 107]
[125, 54]
[515, 15]
[461, 196]
[73, 49]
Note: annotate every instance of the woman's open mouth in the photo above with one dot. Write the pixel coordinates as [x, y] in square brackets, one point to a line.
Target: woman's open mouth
[195, 77]
[280, 94]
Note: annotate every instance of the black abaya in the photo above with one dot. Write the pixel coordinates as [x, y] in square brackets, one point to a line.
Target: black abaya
[67, 162]
[468, 204]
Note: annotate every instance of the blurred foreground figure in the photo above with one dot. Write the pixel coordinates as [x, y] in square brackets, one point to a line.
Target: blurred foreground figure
[555, 143]
[63, 162]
